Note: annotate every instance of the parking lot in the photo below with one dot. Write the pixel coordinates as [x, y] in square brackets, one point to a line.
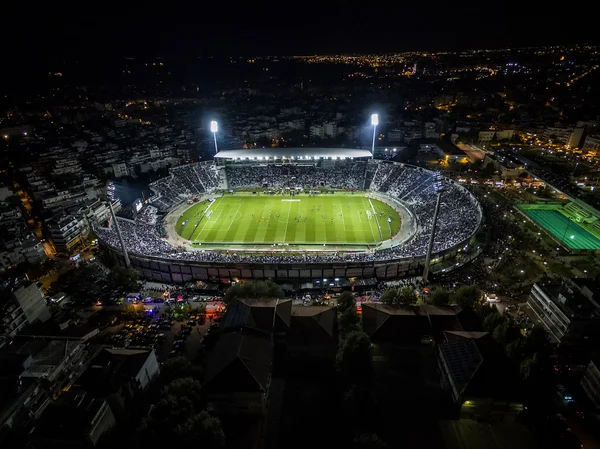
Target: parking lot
[155, 325]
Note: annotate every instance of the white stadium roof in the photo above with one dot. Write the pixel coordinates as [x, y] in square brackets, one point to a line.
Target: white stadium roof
[296, 153]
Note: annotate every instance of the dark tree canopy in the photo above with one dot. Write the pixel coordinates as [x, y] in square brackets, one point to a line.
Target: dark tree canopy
[185, 387]
[440, 297]
[354, 358]
[466, 296]
[369, 441]
[349, 321]
[254, 290]
[123, 278]
[345, 301]
[407, 296]
[389, 296]
[178, 368]
[402, 296]
[201, 430]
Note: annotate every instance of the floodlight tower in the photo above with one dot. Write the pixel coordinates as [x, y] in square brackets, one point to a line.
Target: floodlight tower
[438, 187]
[374, 122]
[116, 224]
[214, 127]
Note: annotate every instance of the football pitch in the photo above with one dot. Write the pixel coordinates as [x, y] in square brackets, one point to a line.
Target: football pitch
[567, 231]
[341, 219]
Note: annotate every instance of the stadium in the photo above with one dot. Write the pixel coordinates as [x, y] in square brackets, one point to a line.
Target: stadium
[294, 214]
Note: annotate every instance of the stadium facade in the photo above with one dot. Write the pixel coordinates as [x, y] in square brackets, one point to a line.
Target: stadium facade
[404, 186]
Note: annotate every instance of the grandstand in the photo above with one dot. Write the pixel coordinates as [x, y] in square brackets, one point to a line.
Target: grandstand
[297, 173]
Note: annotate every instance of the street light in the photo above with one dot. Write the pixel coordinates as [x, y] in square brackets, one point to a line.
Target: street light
[214, 127]
[374, 122]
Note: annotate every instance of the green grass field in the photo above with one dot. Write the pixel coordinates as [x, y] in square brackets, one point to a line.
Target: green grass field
[567, 231]
[300, 220]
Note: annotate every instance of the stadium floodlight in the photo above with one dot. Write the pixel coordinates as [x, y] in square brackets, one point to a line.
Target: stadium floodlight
[438, 187]
[374, 122]
[214, 127]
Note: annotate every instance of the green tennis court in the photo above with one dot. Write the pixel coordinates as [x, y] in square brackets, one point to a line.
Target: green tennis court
[570, 233]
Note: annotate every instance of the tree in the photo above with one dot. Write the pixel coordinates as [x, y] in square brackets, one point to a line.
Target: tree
[185, 387]
[201, 429]
[466, 296]
[492, 321]
[514, 350]
[123, 278]
[349, 321]
[253, 290]
[440, 297]
[407, 296]
[369, 441]
[537, 342]
[529, 369]
[389, 296]
[177, 368]
[158, 427]
[505, 333]
[354, 358]
[346, 301]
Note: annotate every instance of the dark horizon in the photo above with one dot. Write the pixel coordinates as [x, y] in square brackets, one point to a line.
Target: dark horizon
[236, 29]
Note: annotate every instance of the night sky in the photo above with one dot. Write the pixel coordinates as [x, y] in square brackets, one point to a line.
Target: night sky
[292, 27]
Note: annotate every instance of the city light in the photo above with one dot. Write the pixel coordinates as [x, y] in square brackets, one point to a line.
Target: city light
[374, 119]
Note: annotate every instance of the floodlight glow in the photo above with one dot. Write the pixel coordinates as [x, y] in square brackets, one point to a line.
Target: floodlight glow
[374, 119]
[214, 127]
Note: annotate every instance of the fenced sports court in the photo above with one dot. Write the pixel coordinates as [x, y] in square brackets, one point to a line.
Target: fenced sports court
[568, 232]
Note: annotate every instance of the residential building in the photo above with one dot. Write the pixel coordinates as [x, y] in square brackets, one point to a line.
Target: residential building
[408, 324]
[577, 138]
[395, 135]
[486, 136]
[75, 420]
[590, 382]
[269, 315]
[120, 374]
[476, 374]
[313, 333]
[569, 311]
[238, 373]
[21, 305]
[120, 170]
[592, 143]
[67, 232]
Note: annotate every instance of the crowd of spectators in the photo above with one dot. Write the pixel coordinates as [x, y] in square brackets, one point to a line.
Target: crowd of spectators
[459, 217]
[339, 175]
[184, 182]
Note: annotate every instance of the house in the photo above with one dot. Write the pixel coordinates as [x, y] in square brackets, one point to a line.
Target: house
[408, 324]
[478, 377]
[238, 372]
[119, 374]
[270, 315]
[312, 332]
[75, 420]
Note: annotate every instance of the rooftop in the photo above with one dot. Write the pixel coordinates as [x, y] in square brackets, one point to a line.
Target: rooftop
[576, 305]
[241, 361]
[298, 153]
[113, 367]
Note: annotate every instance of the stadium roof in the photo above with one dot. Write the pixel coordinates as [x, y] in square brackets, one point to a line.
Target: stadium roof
[298, 153]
